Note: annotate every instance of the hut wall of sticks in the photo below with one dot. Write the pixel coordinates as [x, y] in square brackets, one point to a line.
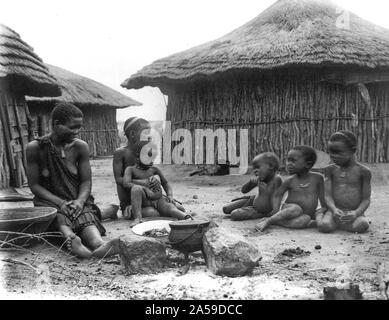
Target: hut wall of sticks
[21, 72]
[98, 103]
[293, 75]
[285, 110]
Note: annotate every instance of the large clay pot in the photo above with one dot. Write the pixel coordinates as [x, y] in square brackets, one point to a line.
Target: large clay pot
[187, 235]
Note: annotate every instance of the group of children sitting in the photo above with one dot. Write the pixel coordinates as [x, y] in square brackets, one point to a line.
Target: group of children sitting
[344, 192]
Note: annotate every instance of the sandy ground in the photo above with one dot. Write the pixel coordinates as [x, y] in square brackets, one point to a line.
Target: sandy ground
[343, 258]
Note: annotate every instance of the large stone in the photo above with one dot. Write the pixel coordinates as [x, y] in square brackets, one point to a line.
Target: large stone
[229, 254]
[141, 254]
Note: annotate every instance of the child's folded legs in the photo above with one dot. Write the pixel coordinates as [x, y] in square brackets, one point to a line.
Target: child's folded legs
[246, 213]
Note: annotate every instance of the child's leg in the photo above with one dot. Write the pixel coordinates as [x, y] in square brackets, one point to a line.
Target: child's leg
[301, 222]
[325, 222]
[359, 225]
[288, 212]
[74, 243]
[227, 209]
[167, 209]
[246, 213]
[100, 248]
[137, 198]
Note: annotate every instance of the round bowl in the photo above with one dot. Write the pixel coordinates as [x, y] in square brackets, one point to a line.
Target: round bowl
[33, 220]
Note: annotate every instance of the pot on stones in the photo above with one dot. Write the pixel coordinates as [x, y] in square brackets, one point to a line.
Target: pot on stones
[187, 235]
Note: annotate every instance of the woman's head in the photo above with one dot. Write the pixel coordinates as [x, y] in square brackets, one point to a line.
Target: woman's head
[300, 159]
[342, 147]
[67, 121]
[265, 165]
[133, 128]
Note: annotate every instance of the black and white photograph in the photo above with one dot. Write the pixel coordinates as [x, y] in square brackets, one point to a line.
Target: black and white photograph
[211, 151]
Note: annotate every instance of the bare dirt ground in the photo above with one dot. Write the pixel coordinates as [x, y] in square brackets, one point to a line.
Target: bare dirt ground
[46, 272]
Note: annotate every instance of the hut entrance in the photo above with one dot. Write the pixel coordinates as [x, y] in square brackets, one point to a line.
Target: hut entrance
[14, 137]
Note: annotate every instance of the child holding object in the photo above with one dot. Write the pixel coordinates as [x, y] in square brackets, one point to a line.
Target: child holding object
[265, 168]
[347, 187]
[141, 178]
[305, 189]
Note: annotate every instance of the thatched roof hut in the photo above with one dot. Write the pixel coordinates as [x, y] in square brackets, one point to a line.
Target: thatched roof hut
[22, 66]
[293, 75]
[21, 72]
[98, 103]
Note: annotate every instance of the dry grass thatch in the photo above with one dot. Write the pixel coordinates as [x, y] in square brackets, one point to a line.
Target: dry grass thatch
[83, 91]
[23, 67]
[290, 33]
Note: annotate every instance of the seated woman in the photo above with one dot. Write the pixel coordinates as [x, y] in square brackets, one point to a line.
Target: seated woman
[125, 157]
[59, 176]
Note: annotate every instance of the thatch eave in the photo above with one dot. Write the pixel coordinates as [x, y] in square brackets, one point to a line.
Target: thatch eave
[21, 66]
[83, 92]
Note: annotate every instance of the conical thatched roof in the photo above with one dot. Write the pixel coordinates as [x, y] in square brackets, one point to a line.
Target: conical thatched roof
[290, 33]
[84, 91]
[23, 67]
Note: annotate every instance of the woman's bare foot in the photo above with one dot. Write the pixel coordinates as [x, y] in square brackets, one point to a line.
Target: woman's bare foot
[107, 249]
[75, 246]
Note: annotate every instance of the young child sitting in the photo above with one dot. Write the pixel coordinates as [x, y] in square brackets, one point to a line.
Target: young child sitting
[347, 187]
[305, 189]
[139, 178]
[265, 167]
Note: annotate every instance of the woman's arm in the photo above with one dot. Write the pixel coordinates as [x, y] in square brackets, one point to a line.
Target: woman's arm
[117, 165]
[85, 172]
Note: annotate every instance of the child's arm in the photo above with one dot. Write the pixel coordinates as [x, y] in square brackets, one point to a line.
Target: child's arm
[329, 200]
[366, 195]
[278, 194]
[322, 200]
[164, 183]
[250, 185]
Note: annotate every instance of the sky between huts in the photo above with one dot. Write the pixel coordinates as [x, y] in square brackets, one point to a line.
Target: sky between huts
[110, 40]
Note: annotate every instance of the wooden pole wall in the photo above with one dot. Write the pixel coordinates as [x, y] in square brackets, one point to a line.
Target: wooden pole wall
[283, 112]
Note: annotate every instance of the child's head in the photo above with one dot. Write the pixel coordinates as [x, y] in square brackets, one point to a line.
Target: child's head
[300, 159]
[265, 165]
[342, 147]
[145, 153]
